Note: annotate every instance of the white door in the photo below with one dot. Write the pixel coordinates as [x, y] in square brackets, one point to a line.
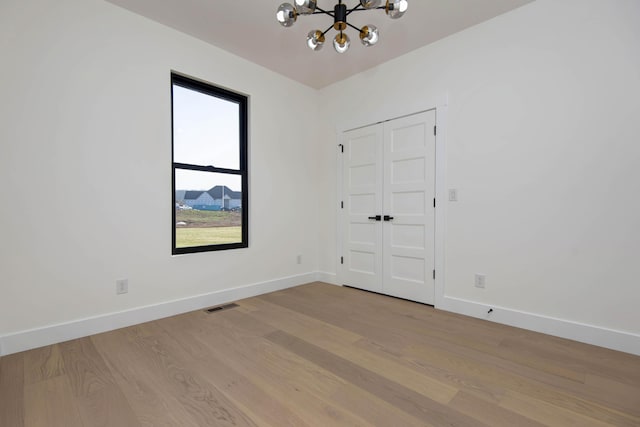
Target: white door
[409, 191]
[362, 210]
[389, 170]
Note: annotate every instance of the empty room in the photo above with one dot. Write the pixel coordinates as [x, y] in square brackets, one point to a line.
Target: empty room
[320, 213]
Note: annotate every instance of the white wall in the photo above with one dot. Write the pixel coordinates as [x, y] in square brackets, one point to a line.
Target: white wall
[543, 145]
[85, 126]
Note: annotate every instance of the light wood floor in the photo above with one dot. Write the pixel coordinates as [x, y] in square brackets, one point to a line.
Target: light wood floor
[320, 355]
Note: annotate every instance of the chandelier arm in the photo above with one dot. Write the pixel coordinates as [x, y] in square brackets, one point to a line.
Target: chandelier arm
[322, 11]
[358, 7]
[327, 30]
[354, 27]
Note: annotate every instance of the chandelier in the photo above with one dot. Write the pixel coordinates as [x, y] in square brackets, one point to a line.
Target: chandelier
[287, 15]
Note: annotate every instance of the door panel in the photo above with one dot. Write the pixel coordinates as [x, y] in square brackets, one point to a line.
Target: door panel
[408, 202]
[408, 236]
[362, 194]
[408, 170]
[409, 185]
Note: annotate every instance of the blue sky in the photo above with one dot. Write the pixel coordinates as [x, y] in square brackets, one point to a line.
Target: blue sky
[206, 132]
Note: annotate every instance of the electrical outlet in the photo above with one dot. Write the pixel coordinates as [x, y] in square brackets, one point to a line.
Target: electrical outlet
[480, 281]
[453, 195]
[122, 286]
[299, 259]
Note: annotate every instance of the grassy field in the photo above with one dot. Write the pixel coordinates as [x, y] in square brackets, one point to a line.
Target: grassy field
[198, 219]
[201, 228]
[188, 237]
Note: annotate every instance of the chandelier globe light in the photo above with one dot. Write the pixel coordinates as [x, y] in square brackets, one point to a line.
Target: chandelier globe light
[287, 15]
[315, 40]
[369, 35]
[341, 42]
[305, 7]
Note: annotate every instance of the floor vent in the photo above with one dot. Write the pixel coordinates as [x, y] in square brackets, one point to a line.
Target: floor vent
[220, 307]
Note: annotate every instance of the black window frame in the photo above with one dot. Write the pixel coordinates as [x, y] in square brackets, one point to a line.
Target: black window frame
[243, 121]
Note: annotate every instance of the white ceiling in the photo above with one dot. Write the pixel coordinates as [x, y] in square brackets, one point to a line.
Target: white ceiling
[249, 29]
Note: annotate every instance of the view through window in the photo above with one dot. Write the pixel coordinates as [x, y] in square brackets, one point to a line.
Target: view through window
[210, 197]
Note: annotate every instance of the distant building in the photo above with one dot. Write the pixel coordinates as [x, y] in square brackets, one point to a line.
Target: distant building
[217, 198]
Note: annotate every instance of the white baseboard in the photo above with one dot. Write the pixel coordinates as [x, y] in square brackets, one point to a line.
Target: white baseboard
[52, 334]
[331, 278]
[33, 338]
[603, 337]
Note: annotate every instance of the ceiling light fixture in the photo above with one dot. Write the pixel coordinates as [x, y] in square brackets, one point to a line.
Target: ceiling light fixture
[288, 13]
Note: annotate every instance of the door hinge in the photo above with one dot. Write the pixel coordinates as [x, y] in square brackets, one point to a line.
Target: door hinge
[341, 148]
[435, 130]
[341, 260]
[341, 205]
[434, 202]
[434, 275]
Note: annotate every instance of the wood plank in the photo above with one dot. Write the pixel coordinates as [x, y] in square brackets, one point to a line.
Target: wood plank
[397, 329]
[240, 388]
[313, 394]
[620, 366]
[152, 404]
[12, 390]
[488, 413]
[202, 401]
[491, 393]
[42, 364]
[246, 395]
[413, 403]
[547, 413]
[397, 332]
[279, 317]
[99, 399]
[333, 311]
[51, 403]
[525, 386]
[624, 395]
[339, 314]
[337, 394]
[341, 343]
[442, 324]
[448, 328]
[348, 396]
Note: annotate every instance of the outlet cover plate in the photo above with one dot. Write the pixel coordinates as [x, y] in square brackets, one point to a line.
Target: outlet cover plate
[122, 286]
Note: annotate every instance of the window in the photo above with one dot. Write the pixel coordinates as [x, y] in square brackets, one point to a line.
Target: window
[210, 197]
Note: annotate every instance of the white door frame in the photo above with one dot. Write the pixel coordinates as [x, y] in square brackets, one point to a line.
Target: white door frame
[390, 113]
